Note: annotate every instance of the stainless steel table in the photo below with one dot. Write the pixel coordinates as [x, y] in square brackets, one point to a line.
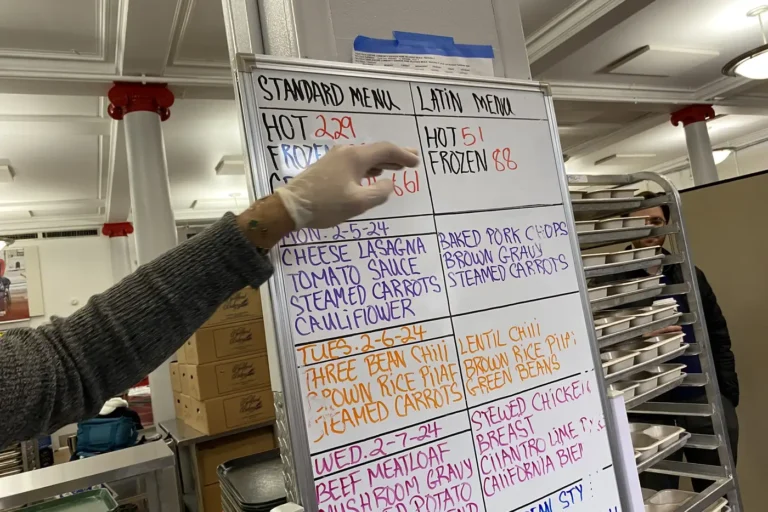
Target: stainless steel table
[154, 462]
[184, 440]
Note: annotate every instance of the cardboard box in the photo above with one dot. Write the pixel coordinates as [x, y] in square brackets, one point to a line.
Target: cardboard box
[212, 453]
[212, 380]
[226, 342]
[181, 355]
[212, 498]
[230, 412]
[242, 306]
[178, 405]
[175, 377]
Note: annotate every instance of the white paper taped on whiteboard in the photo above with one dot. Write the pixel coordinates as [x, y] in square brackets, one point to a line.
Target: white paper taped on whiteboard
[440, 345]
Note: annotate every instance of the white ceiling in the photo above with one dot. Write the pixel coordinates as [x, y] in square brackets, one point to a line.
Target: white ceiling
[57, 60]
[713, 25]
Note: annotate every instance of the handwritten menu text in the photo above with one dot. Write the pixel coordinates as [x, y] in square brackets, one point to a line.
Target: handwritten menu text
[441, 347]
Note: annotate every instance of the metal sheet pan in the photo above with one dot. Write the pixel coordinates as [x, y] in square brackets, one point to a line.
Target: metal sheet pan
[254, 480]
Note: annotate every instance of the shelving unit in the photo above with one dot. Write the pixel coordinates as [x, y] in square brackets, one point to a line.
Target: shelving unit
[723, 478]
[18, 458]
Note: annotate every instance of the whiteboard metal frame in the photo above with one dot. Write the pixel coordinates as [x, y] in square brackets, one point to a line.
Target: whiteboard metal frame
[259, 181]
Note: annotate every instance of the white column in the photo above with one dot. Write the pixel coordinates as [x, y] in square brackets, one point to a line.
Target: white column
[121, 263]
[142, 108]
[700, 153]
[694, 118]
[119, 248]
[150, 189]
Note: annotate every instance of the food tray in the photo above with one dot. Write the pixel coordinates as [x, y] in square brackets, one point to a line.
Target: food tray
[645, 444]
[254, 480]
[648, 252]
[664, 311]
[640, 367]
[719, 506]
[586, 208]
[651, 348]
[638, 427]
[623, 287]
[600, 268]
[667, 434]
[647, 493]
[616, 361]
[608, 236]
[667, 342]
[615, 223]
[634, 222]
[598, 194]
[667, 372]
[98, 500]
[616, 326]
[613, 301]
[593, 260]
[661, 454]
[11, 455]
[626, 389]
[599, 292]
[620, 256]
[649, 282]
[641, 398]
[645, 381]
[633, 332]
[624, 193]
[639, 316]
[660, 508]
[16, 471]
[647, 314]
[670, 497]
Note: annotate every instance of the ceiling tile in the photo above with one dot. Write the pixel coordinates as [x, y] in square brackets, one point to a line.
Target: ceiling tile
[202, 37]
[51, 26]
[43, 105]
[49, 168]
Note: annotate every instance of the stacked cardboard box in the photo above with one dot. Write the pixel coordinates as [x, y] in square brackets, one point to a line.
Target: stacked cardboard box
[212, 453]
[221, 381]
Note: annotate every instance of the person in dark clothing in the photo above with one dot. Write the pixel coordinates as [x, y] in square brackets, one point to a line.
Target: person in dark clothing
[720, 343]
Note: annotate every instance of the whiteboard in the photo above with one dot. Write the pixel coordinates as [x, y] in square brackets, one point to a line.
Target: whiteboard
[435, 351]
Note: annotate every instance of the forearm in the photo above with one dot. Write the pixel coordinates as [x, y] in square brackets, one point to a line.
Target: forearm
[63, 372]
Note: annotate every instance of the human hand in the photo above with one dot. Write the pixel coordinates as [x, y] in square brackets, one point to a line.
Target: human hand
[329, 191]
[665, 330]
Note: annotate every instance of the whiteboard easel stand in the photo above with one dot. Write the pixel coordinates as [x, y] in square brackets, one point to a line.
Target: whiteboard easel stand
[256, 156]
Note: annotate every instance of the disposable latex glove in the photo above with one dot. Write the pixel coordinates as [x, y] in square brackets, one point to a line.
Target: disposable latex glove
[329, 191]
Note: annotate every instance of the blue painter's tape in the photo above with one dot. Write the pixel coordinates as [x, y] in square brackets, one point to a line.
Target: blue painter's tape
[422, 44]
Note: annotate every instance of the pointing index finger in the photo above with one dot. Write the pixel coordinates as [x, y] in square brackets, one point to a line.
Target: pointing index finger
[385, 155]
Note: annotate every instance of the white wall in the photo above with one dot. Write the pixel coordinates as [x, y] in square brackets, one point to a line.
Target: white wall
[72, 270]
[740, 163]
[328, 28]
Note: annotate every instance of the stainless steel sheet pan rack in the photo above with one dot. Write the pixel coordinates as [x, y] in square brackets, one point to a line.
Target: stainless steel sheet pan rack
[723, 478]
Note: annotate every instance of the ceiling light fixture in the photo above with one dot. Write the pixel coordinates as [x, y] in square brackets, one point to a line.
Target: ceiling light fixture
[230, 165]
[754, 63]
[722, 154]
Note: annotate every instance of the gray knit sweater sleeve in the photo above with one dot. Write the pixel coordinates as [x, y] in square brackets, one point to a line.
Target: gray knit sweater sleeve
[63, 372]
